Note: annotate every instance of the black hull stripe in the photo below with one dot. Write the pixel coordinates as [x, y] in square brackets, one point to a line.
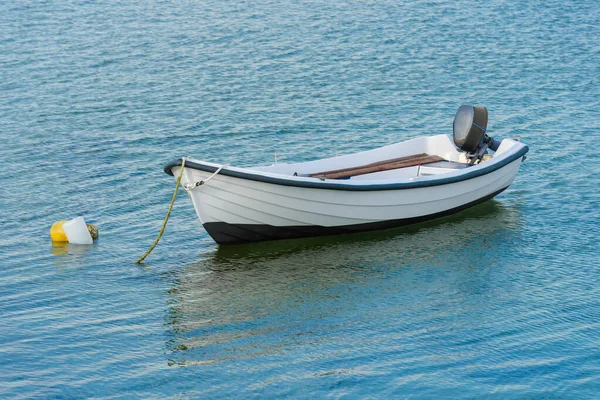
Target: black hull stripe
[332, 185]
[224, 233]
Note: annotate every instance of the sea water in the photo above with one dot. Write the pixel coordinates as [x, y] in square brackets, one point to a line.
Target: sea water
[502, 300]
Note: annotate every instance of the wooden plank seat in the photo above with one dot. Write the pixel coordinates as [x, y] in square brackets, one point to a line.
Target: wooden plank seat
[386, 165]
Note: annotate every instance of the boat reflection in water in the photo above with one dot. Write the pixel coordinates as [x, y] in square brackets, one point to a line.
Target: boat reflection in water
[269, 298]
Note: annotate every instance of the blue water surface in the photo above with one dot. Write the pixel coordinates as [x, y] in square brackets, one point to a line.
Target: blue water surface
[501, 301]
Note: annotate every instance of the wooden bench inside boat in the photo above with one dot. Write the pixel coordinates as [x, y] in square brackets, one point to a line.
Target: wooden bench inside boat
[386, 165]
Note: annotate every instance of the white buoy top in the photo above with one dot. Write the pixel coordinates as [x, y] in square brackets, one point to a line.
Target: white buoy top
[77, 232]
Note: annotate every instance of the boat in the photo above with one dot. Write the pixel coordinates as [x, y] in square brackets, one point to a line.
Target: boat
[404, 183]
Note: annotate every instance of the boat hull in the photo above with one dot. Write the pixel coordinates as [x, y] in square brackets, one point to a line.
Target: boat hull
[231, 233]
[237, 210]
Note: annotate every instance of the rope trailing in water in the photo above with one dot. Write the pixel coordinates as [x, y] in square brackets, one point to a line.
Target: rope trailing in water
[162, 230]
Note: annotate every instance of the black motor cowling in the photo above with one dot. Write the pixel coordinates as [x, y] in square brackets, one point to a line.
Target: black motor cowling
[470, 124]
[469, 131]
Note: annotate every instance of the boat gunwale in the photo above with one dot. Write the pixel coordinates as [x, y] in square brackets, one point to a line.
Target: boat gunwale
[253, 176]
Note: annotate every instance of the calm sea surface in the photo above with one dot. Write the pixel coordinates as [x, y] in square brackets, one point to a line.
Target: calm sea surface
[502, 300]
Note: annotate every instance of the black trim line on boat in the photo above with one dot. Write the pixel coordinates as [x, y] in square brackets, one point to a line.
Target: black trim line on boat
[317, 184]
[224, 233]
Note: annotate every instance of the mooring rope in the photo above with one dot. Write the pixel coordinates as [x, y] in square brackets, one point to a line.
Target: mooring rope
[192, 186]
[162, 230]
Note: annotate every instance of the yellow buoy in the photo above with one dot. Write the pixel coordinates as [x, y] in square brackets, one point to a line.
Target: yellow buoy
[57, 232]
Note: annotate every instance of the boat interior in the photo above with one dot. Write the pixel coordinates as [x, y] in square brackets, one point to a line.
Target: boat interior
[423, 156]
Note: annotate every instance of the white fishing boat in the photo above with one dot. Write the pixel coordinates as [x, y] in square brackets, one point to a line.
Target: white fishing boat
[400, 184]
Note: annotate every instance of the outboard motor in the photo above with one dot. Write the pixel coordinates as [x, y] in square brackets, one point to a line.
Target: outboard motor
[469, 132]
